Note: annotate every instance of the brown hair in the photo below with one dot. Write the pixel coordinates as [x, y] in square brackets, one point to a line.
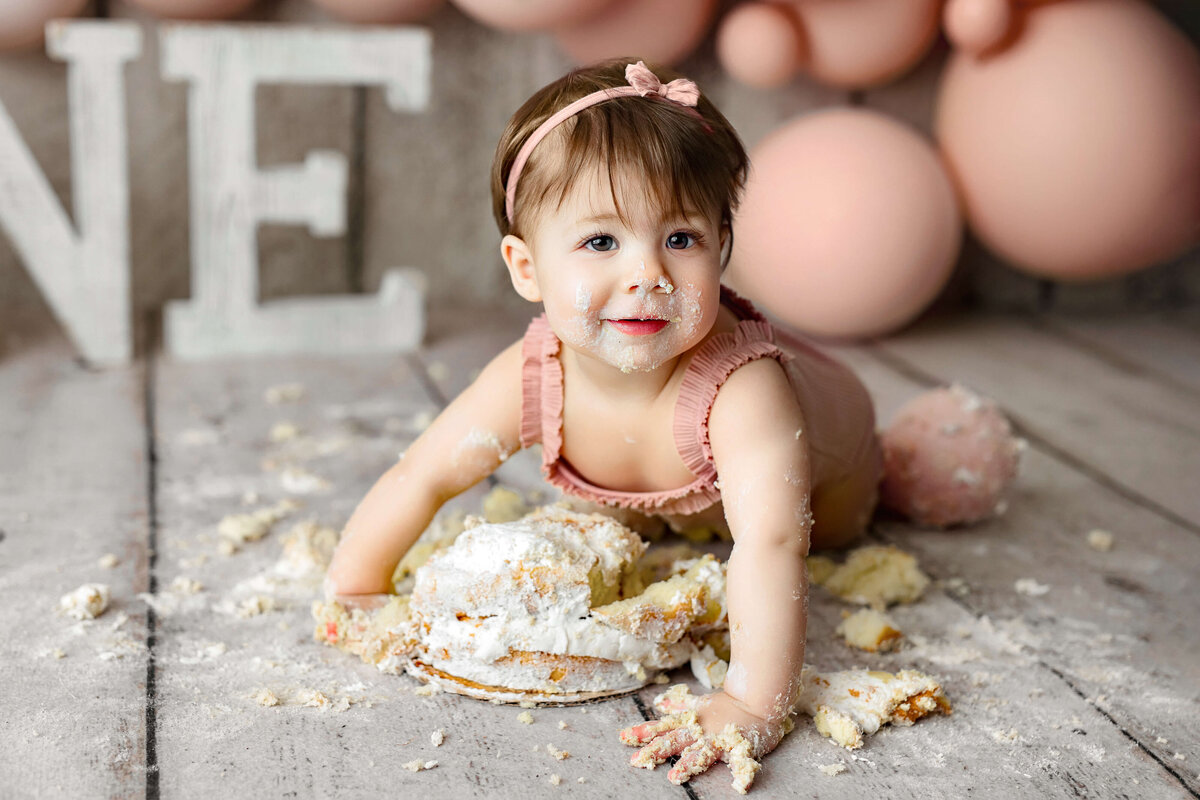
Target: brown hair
[688, 162]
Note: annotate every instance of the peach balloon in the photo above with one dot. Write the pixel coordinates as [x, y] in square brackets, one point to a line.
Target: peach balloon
[1077, 149]
[976, 25]
[195, 9]
[23, 22]
[859, 43]
[530, 15]
[662, 31]
[849, 227]
[380, 12]
[759, 44]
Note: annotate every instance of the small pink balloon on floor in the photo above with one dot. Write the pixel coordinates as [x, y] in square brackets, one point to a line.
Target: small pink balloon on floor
[380, 12]
[23, 22]
[760, 45]
[529, 15]
[660, 31]
[1076, 145]
[850, 226]
[861, 43]
[949, 457]
[195, 9]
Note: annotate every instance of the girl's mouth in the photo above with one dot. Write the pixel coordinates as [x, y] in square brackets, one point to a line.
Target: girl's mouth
[638, 327]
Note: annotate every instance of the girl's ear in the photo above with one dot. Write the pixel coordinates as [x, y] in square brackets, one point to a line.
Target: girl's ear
[726, 243]
[519, 260]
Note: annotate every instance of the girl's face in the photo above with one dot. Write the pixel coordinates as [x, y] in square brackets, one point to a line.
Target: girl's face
[632, 294]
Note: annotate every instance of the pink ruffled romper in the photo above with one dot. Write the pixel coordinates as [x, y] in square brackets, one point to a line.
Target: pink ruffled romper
[839, 416]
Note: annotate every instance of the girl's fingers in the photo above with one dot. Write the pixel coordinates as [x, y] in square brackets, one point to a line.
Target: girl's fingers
[636, 735]
[663, 747]
[699, 756]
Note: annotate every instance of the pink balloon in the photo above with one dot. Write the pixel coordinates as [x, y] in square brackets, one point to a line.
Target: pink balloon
[380, 12]
[859, 43]
[759, 44]
[849, 227]
[1077, 149]
[530, 15]
[977, 25]
[23, 22]
[195, 9]
[661, 31]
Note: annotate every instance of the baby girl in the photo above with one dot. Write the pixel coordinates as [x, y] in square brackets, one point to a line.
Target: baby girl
[650, 387]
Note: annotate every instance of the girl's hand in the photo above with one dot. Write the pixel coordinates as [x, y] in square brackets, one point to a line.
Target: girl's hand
[703, 731]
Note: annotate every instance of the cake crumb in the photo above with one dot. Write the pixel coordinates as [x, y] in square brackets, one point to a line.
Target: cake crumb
[555, 780]
[108, 561]
[582, 779]
[417, 765]
[1101, 540]
[1006, 737]
[527, 704]
[284, 393]
[265, 697]
[185, 585]
[254, 606]
[311, 698]
[525, 718]
[562, 725]
[832, 769]
[1030, 587]
[559, 754]
[437, 737]
[426, 690]
[284, 432]
[87, 602]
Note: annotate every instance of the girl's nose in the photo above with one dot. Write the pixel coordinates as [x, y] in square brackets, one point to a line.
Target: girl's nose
[649, 276]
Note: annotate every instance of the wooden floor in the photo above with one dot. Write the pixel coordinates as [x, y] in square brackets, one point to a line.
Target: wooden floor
[1090, 688]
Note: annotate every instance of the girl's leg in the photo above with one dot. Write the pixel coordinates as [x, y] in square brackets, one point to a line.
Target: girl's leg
[842, 508]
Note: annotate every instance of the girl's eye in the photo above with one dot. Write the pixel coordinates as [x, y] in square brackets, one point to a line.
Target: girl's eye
[601, 244]
[680, 240]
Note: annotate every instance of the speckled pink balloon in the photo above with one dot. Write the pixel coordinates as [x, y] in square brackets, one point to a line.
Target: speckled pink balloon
[661, 31]
[949, 458]
[530, 15]
[759, 44]
[860, 43]
[195, 9]
[23, 22]
[381, 12]
[849, 227]
[1077, 148]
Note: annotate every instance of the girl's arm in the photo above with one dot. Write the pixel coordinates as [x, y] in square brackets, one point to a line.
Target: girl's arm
[759, 448]
[465, 444]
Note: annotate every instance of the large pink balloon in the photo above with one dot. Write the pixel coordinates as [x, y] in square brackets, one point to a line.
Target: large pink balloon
[195, 9]
[381, 12]
[859, 43]
[849, 227]
[759, 44]
[23, 22]
[530, 15]
[1077, 149]
[663, 31]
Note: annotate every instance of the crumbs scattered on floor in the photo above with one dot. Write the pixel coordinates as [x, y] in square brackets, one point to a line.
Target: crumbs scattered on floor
[525, 718]
[555, 780]
[437, 737]
[559, 754]
[832, 769]
[426, 690]
[1101, 540]
[417, 765]
[1030, 587]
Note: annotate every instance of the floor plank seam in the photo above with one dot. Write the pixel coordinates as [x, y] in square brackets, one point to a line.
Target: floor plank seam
[918, 375]
[979, 615]
[151, 716]
[1103, 354]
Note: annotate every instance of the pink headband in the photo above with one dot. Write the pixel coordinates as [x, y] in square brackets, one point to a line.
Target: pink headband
[642, 82]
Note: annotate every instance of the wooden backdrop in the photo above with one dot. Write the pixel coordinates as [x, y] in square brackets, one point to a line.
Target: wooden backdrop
[419, 183]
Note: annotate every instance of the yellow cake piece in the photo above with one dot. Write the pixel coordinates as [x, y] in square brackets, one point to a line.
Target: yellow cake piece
[877, 576]
[870, 630]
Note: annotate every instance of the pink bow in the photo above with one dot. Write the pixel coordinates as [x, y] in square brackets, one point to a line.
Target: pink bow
[680, 90]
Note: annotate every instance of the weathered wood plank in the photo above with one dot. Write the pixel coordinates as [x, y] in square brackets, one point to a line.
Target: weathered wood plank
[73, 488]
[1142, 436]
[1116, 626]
[1159, 345]
[210, 729]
